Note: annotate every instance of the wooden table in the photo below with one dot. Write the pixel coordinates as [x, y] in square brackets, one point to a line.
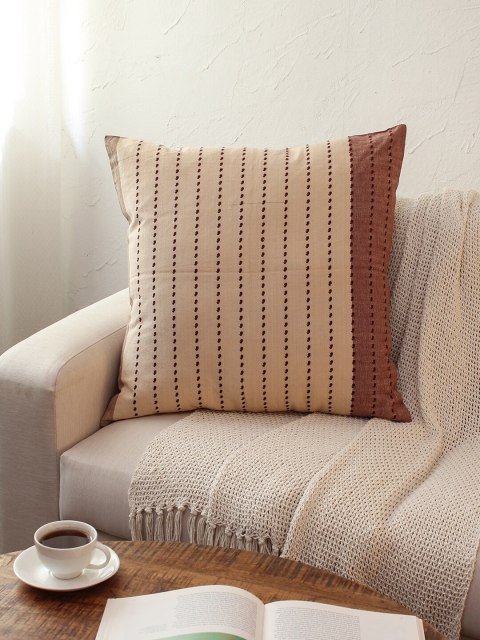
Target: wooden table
[149, 567]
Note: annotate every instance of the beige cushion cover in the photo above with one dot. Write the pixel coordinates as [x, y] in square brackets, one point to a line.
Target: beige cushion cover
[258, 277]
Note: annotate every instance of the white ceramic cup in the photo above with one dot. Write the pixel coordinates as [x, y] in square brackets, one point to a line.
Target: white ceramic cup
[69, 563]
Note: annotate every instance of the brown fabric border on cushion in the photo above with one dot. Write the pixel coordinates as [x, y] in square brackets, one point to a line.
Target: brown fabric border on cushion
[376, 162]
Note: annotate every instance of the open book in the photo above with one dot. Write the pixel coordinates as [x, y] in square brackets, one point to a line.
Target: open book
[227, 613]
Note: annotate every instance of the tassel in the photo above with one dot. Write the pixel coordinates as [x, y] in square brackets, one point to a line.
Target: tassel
[220, 537]
[148, 524]
[262, 545]
[240, 542]
[228, 539]
[251, 544]
[201, 522]
[169, 523]
[177, 532]
[275, 550]
[138, 525]
[233, 541]
[210, 534]
[192, 526]
[131, 522]
[158, 536]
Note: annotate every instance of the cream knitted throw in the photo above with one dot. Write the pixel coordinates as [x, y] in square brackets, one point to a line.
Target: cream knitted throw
[395, 506]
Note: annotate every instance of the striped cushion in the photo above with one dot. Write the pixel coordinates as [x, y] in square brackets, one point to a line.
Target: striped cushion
[258, 277]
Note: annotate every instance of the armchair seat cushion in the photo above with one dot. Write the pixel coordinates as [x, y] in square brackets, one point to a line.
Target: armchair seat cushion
[95, 474]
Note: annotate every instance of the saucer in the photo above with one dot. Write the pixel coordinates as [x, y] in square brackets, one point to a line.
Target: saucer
[30, 570]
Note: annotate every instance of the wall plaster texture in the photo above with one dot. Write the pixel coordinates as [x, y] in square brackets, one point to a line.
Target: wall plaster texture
[254, 72]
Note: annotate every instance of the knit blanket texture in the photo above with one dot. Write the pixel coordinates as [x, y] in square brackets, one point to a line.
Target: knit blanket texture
[395, 506]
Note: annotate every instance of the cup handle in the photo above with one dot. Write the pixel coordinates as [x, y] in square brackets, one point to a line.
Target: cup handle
[107, 553]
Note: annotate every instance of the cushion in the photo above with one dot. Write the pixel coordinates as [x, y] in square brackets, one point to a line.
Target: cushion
[258, 277]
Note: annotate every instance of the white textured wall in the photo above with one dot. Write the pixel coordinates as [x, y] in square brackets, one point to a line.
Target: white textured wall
[256, 72]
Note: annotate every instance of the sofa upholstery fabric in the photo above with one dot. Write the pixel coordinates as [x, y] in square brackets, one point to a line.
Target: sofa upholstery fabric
[54, 386]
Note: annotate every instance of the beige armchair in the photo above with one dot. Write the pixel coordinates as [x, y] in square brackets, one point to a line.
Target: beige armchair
[55, 462]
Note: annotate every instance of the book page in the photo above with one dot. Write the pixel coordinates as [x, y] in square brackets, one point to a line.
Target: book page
[212, 612]
[297, 620]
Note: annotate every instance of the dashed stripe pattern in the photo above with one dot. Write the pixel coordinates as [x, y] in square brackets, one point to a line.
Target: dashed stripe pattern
[262, 279]
[285, 281]
[307, 278]
[154, 284]
[195, 279]
[218, 272]
[352, 290]
[362, 385]
[257, 298]
[329, 275]
[174, 285]
[139, 296]
[373, 330]
[386, 290]
[240, 282]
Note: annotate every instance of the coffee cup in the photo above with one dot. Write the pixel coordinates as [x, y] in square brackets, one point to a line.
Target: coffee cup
[66, 548]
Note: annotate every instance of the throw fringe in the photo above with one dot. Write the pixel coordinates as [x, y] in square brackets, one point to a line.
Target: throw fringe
[169, 524]
[210, 534]
[149, 524]
[201, 523]
[158, 536]
[250, 544]
[166, 524]
[177, 532]
[264, 546]
[192, 526]
[138, 526]
[233, 541]
[240, 541]
[220, 536]
[131, 524]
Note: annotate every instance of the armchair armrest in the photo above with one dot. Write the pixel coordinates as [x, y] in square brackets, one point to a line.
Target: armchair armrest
[54, 388]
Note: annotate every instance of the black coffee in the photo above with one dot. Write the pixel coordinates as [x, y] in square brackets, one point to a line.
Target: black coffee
[65, 539]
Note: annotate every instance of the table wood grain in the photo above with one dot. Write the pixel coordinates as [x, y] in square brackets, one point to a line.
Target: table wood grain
[150, 567]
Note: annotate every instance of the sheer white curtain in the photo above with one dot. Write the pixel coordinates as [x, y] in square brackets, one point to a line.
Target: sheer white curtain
[30, 169]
